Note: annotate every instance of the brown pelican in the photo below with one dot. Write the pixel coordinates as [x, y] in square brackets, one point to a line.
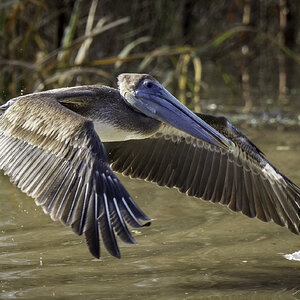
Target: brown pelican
[61, 148]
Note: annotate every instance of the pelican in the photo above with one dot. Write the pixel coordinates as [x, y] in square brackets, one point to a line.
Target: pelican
[62, 147]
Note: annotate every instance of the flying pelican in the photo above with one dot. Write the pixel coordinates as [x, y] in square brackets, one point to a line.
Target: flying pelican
[62, 146]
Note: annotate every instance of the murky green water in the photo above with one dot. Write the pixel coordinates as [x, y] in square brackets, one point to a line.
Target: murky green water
[193, 250]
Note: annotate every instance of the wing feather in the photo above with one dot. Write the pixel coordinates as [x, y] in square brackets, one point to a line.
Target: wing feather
[91, 228]
[220, 181]
[211, 180]
[243, 179]
[55, 156]
[106, 228]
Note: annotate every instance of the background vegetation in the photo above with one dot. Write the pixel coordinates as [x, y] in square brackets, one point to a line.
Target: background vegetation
[219, 52]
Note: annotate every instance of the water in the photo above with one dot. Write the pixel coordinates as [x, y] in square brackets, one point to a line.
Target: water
[193, 249]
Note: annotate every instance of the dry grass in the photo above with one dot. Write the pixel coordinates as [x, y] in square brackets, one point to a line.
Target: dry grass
[47, 44]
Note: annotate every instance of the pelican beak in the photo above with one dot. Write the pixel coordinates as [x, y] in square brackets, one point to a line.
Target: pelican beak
[156, 102]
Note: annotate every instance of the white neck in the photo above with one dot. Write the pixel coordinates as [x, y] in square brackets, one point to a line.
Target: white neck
[110, 133]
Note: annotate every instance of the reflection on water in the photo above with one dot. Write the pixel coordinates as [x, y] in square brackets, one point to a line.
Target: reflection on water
[193, 250]
[293, 256]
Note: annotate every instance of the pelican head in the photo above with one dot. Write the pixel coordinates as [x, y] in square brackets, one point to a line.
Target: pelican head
[148, 96]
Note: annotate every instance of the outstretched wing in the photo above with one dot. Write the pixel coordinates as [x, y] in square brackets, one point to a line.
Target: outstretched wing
[243, 180]
[55, 156]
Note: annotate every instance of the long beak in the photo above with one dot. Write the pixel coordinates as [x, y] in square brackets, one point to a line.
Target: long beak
[163, 106]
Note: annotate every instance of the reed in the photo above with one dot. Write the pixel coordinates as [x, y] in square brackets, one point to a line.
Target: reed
[49, 44]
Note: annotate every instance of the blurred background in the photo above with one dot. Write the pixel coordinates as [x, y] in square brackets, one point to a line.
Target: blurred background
[239, 57]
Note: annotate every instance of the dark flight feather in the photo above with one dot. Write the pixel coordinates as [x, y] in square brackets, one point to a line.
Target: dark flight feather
[59, 160]
[244, 180]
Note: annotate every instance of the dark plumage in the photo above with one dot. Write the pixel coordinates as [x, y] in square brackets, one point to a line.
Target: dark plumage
[50, 148]
[243, 180]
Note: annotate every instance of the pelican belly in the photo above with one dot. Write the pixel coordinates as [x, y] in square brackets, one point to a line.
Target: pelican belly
[111, 133]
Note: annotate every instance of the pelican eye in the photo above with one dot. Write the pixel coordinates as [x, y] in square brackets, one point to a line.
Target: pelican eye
[148, 84]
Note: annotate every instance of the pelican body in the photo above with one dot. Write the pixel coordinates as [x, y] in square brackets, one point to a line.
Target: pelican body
[62, 147]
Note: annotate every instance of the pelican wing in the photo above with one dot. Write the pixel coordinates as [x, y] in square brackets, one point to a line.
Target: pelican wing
[55, 156]
[243, 179]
